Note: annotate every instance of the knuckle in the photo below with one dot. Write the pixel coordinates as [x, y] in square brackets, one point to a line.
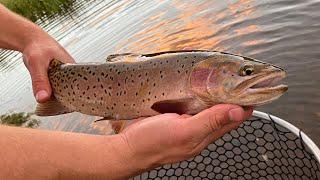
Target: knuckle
[214, 122]
[39, 81]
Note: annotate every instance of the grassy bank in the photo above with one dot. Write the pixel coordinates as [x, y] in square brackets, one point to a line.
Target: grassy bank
[19, 119]
[38, 9]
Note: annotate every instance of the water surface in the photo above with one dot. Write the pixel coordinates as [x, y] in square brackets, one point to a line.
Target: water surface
[282, 32]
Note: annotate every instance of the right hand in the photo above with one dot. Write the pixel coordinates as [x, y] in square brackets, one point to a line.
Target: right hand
[169, 138]
[37, 55]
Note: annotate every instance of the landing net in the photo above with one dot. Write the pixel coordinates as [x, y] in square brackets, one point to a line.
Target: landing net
[264, 147]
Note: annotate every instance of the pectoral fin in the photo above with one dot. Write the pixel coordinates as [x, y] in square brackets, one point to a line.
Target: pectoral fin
[179, 106]
[50, 108]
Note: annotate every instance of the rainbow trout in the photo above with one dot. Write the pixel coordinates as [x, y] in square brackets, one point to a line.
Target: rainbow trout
[129, 86]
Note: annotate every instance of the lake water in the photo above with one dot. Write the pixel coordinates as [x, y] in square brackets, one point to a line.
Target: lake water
[282, 32]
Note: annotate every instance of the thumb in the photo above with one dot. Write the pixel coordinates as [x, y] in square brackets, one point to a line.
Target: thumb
[216, 117]
[40, 82]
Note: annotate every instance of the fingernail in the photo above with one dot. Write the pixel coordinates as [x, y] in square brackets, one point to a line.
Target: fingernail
[41, 95]
[236, 114]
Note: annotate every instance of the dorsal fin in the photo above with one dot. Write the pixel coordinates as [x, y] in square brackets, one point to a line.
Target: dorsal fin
[120, 57]
[55, 63]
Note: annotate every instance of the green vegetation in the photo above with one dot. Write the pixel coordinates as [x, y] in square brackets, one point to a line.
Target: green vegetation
[19, 119]
[38, 9]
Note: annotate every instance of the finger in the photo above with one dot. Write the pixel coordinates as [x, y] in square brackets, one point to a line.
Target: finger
[215, 117]
[184, 116]
[40, 82]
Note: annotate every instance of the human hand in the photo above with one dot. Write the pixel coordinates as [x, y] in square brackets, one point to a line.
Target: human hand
[170, 138]
[37, 55]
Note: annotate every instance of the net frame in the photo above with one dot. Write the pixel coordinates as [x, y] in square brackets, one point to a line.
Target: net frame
[298, 132]
[300, 160]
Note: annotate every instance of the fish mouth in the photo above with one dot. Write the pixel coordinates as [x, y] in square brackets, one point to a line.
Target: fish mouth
[266, 83]
[262, 88]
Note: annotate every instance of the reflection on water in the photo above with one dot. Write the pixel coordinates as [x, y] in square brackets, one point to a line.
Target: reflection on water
[285, 33]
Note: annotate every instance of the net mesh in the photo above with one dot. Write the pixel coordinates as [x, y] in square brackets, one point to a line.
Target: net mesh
[259, 148]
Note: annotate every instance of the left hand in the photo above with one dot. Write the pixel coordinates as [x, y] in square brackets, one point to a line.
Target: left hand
[37, 55]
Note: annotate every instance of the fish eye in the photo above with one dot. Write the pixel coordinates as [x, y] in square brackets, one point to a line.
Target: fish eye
[247, 70]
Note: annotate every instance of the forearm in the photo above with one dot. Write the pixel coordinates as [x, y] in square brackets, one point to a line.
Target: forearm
[51, 155]
[16, 32]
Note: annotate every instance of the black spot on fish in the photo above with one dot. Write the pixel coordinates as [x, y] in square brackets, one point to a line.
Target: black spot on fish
[162, 94]
[101, 86]
[142, 100]
[139, 75]
[82, 105]
[133, 104]
[161, 76]
[105, 91]
[114, 104]
[102, 74]
[94, 94]
[89, 72]
[132, 81]
[149, 92]
[154, 84]
[88, 97]
[118, 72]
[155, 97]
[124, 105]
[98, 79]
[185, 57]
[92, 109]
[109, 87]
[85, 78]
[93, 73]
[88, 88]
[72, 99]
[101, 98]
[118, 84]
[148, 99]
[109, 94]
[136, 94]
[94, 87]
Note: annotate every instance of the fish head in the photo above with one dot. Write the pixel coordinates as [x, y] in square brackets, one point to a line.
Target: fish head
[227, 78]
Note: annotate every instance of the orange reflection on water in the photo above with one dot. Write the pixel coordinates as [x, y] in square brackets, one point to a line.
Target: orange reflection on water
[183, 31]
[247, 30]
[194, 27]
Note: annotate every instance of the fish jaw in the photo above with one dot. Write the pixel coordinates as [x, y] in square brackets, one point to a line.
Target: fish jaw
[262, 89]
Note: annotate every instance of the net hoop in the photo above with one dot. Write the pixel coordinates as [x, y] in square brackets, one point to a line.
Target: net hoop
[298, 132]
